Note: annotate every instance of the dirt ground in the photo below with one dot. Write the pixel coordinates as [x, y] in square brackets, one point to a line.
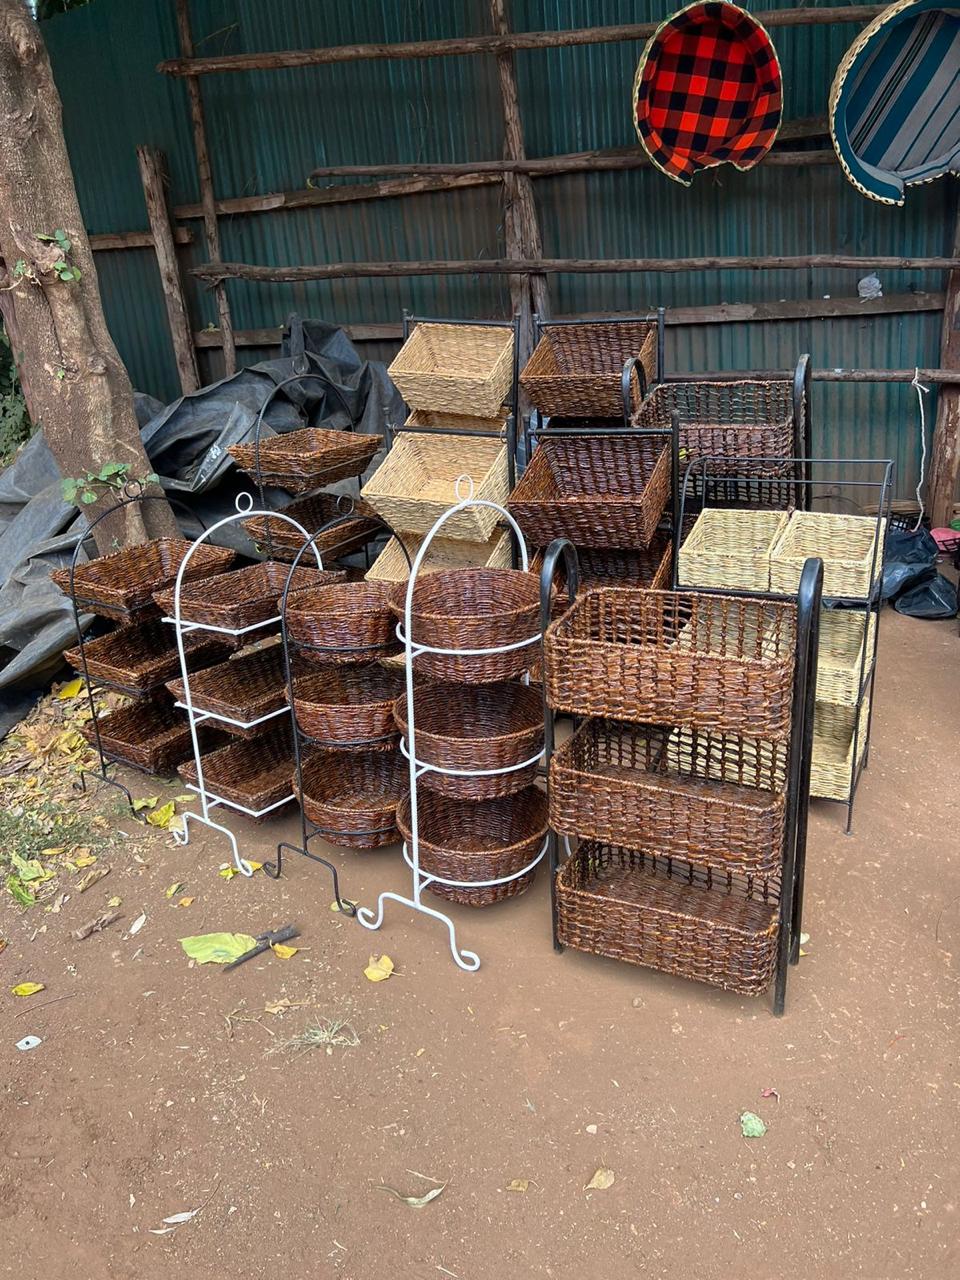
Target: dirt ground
[145, 1101]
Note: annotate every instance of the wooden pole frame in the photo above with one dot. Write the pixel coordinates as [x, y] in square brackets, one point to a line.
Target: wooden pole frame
[945, 447]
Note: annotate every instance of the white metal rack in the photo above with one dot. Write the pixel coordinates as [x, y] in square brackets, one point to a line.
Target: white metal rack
[184, 626]
[468, 960]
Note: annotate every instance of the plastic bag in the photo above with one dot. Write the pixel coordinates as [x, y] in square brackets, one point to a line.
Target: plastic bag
[934, 598]
[911, 557]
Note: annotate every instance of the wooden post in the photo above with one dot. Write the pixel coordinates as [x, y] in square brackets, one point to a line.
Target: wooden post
[945, 450]
[154, 193]
[205, 177]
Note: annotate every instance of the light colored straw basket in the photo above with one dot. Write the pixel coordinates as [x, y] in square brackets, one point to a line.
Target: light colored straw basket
[831, 765]
[448, 367]
[730, 549]
[847, 545]
[843, 634]
[459, 421]
[445, 553]
[417, 482]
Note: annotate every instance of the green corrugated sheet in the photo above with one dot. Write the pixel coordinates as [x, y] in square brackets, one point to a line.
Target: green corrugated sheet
[267, 130]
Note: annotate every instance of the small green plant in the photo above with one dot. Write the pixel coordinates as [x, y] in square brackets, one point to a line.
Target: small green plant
[64, 268]
[111, 477]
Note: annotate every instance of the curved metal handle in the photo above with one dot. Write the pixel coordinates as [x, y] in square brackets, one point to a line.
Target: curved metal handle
[557, 548]
[629, 365]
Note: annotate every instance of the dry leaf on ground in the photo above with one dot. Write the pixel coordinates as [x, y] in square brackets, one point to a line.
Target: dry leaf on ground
[602, 1179]
[415, 1202]
[379, 969]
[27, 988]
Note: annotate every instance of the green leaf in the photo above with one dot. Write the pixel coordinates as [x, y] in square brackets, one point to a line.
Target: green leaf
[70, 490]
[751, 1126]
[46, 239]
[152, 478]
[88, 496]
[217, 948]
[76, 273]
[112, 469]
[22, 895]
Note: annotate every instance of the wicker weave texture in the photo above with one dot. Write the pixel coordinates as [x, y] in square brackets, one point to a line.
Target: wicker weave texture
[417, 482]
[726, 420]
[253, 774]
[302, 460]
[849, 547]
[485, 840]
[666, 915]
[476, 727]
[245, 689]
[444, 553]
[138, 659]
[151, 735]
[243, 597]
[712, 799]
[283, 541]
[577, 369]
[730, 549]
[353, 796]
[458, 421]
[598, 491]
[348, 622]
[647, 568]
[346, 707]
[446, 367]
[661, 657]
[841, 658]
[831, 764]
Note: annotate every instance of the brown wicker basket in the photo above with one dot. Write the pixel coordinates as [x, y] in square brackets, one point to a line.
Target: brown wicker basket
[346, 623]
[299, 461]
[476, 727]
[282, 541]
[352, 797]
[667, 915]
[647, 568]
[470, 841]
[150, 735]
[662, 657]
[138, 659]
[243, 597]
[849, 546]
[598, 491]
[245, 689]
[713, 799]
[730, 549]
[417, 482]
[121, 585]
[444, 553]
[249, 774]
[448, 366]
[473, 609]
[577, 369]
[349, 707]
[736, 420]
[458, 421]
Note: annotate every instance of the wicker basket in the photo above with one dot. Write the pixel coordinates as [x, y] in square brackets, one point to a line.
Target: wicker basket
[243, 597]
[477, 841]
[662, 657]
[577, 369]
[352, 798]
[831, 765]
[245, 689]
[458, 421]
[444, 553]
[473, 609]
[417, 482]
[847, 545]
[282, 540]
[667, 915]
[252, 774]
[448, 366]
[121, 585]
[713, 799]
[598, 491]
[841, 658]
[346, 623]
[730, 549]
[648, 568]
[735, 420]
[151, 735]
[140, 658]
[349, 707]
[299, 461]
[476, 727]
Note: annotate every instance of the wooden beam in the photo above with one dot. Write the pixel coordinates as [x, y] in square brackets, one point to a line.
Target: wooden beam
[205, 179]
[188, 65]
[945, 448]
[207, 338]
[152, 176]
[134, 239]
[940, 376]
[216, 271]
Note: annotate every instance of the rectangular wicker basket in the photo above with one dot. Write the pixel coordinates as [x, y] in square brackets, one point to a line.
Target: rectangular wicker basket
[673, 657]
[831, 767]
[255, 774]
[598, 491]
[577, 369]
[730, 549]
[150, 735]
[299, 461]
[447, 366]
[847, 545]
[843, 633]
[459, 421]
[667, 915]
[417, 482]
[244, 597]
[244, 689]
[713, 799]
[444, 553]
[282, 541]
[139, 658]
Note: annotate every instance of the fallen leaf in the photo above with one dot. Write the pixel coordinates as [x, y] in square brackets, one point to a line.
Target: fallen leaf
[227, 871]
[70, 690]
[145, 802]
[804, 939]
[284, 952]
[279, 1006]
[56, 906]
[176, 1218]
[30, 869]
[174, 888]
[85, 860]
[517, 1184]
[160, 1231]
[96, 925]
[602, 1179]
[217, 948]
[379, 969]
[334, 906]
[28, 988]
[138, 924]
[186, 902]
[162, 816]
[55, 852]
[591, 1128]
[114, 902]
[751, 1126]
[770, 1093]
[415, 1202]
[91, 878]
[22, 895]
[254, 866]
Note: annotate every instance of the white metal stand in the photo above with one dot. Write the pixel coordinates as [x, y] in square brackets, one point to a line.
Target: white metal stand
[468, 960]
[210, 800]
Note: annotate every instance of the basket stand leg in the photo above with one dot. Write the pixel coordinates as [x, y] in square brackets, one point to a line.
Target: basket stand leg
[101, 775]
[241, 864]
[468, 960]
[273, 870]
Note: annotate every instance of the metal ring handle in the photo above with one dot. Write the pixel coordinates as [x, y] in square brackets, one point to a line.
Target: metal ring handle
[629, 365]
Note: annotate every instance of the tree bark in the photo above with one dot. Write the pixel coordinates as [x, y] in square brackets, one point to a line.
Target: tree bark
[76, 386]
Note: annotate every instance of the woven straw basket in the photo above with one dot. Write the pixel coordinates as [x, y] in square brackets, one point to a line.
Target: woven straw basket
[841, 654]
[831, 765]
[446, 367]
[847, 545]
[445, 553]
[730, 549]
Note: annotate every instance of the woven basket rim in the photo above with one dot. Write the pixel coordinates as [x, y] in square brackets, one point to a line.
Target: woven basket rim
[451, 690]
[303, 603]
[433, 586]
[305, 693]
[375, 763]
[535, 809]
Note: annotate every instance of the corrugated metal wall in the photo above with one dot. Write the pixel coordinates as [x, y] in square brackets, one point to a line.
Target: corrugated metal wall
[269, 129]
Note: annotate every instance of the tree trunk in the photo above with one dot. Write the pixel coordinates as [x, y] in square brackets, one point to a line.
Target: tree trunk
[76, 386]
